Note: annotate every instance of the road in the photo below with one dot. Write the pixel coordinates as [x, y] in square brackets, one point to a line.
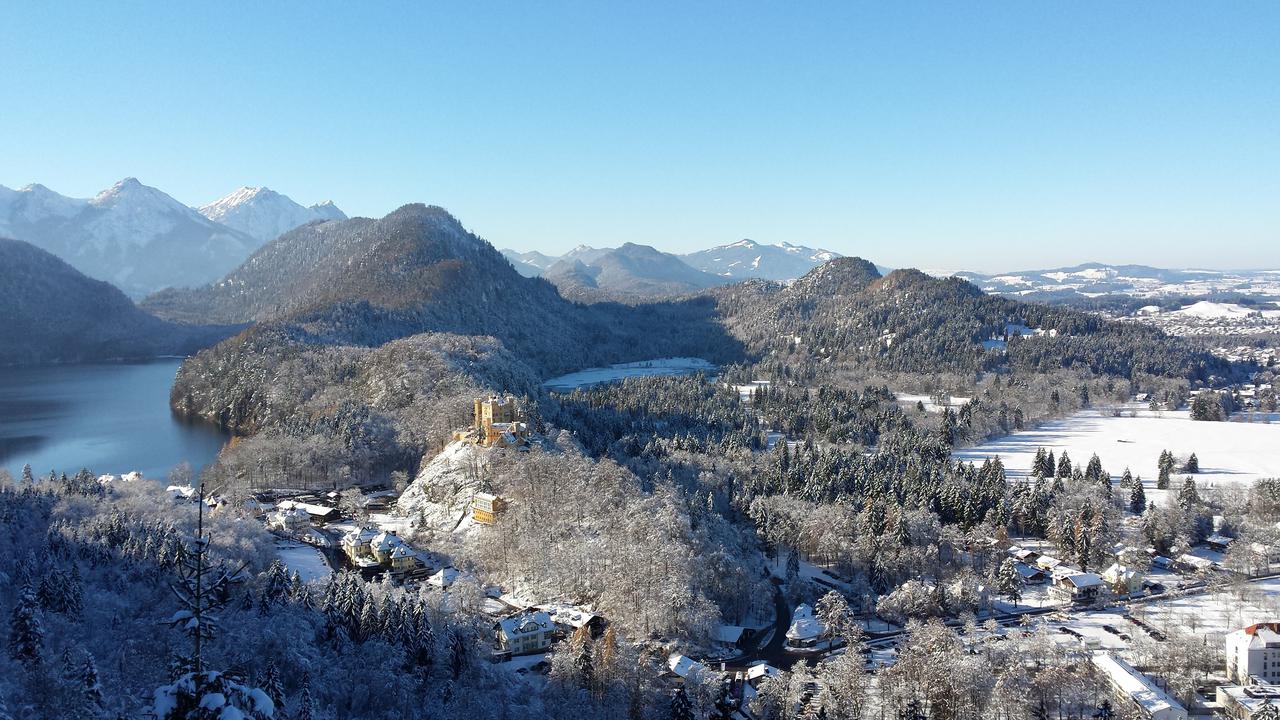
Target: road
[772, 652]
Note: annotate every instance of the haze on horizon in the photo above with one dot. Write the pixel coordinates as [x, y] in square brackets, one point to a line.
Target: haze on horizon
[997, 138]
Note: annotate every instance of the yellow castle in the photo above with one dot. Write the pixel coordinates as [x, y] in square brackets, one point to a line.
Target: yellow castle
[496, 423]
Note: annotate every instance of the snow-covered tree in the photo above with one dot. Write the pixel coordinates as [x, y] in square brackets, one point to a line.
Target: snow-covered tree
[26, 630]
[681, 708]
[1137, 497]
[1009, 582]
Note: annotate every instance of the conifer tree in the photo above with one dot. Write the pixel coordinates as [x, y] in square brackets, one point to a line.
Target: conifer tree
[26, 630]
[91, 686]
[1009, 582]
[1137, 497]
[272, 685]
[304, 710]
[681, 708]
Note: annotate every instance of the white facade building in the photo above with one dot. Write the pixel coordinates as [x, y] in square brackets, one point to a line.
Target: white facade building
[1138, 689]
[1253, 654]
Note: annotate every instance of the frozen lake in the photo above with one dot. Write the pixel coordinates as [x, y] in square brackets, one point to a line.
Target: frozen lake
[1229, 452]
[644, 368]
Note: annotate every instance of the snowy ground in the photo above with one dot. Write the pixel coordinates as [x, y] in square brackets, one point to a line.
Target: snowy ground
[305, 560]
[644, 368]
[909, 400]
[1229, 452]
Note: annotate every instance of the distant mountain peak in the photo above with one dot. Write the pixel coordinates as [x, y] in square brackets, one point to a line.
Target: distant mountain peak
[129, 187]
[265, 214]
[747, 258]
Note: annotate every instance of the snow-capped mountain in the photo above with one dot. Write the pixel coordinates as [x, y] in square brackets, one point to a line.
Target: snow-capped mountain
[750, 259]
[132, 235]
[528, 264]
[265, 214]
[1093, 279]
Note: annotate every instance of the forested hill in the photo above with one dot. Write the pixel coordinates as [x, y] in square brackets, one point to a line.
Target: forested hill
[367, 282]
[53, 313]
[845, 313]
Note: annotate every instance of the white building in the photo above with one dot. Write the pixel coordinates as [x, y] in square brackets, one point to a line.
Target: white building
[1080, 588]
[1122, 579]
[1247, 702]
[524, 633]
[806, 632]
[1138, 689]
[1253, 654]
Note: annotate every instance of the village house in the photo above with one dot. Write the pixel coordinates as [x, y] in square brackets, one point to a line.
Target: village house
[570, 619]
[1030, 575]
[294, 521]
[357, 544]
[806, 632]
[1218, 542]
[1193, 564]
[317, 514]
[383, 544]
[682, 666]
[403, 558]
[1137, 690]
[1253, 654]
[1047, 563]
[1122, 580]
[1079, 588]
[525, 633]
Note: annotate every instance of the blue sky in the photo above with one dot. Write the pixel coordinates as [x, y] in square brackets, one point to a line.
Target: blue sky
[985, 136]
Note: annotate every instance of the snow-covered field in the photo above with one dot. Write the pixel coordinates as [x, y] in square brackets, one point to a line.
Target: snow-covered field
[644, 368]
[1229, 452]
[305, 560]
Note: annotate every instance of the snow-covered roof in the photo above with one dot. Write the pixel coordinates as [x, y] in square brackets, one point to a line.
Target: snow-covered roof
[1218, 539]
[1252, 697]
[310, 509]
[359, 536]
[448, 576]
[1137, 686]
[567, 615]
[1195, 562]
[1082, 580]
[1259, 634]
[804, 625]
[525, 624]
[683, 665]
[1119, 572]
[185, 492]
[402, 551]
[1027, 571]
[386, 540]
[763, 670]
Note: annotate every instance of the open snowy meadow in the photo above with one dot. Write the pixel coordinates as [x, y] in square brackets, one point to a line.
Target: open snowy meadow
[1229, 452]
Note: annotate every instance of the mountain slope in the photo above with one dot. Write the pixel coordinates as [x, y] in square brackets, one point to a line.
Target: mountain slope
[631, 270]
[53, 313]
[131, 235]
[365, 282]
[265, 214]
[749, 259]
[529, 264]
[845, 313]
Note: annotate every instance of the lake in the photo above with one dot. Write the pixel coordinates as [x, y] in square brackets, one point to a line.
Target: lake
[110, 418]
